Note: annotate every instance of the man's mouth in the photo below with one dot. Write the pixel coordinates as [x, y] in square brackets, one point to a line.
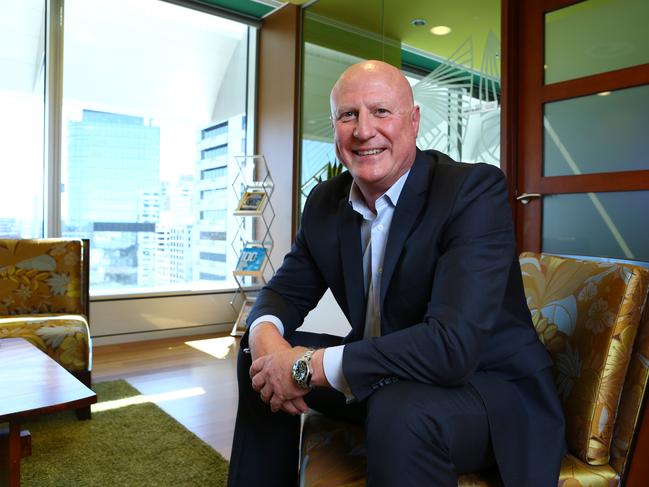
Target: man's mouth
[368, 152]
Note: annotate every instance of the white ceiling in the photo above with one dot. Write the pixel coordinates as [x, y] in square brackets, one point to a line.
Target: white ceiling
[150, 57]
[21, 43]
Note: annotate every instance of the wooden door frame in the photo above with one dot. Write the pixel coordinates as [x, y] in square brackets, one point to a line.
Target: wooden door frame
[522, 25]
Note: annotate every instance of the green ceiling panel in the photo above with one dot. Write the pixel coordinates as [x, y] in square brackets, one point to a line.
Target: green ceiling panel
[359, 44]
[246, 7]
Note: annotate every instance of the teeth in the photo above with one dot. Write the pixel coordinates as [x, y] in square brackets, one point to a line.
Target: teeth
[369, 152]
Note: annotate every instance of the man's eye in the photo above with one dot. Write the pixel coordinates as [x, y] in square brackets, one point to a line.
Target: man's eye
[347, 115]
[382, 112]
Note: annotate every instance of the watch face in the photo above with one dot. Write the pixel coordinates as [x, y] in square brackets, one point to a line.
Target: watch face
[300, 370]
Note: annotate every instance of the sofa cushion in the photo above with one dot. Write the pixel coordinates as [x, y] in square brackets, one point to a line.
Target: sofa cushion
[575, 473]
[40, 276]
[587, 315]
[333, 453]
[65, 338]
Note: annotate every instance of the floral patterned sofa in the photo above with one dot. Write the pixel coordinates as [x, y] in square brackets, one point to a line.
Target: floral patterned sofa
[44, 299]
[589, 316]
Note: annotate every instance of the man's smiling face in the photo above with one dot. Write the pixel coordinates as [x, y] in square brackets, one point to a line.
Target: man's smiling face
[375, 125]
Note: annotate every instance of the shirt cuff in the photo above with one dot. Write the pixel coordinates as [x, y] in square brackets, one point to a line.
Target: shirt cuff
[273, 319]
[332, 364]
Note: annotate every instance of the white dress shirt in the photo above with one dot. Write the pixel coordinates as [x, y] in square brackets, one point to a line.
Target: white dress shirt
[375, 229]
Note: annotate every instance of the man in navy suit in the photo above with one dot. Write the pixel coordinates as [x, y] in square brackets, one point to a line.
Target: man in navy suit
[443, 365]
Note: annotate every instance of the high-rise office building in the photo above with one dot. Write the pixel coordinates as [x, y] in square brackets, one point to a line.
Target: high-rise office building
[149, 212]
[216, 170]
[165, 255]
[113, 159]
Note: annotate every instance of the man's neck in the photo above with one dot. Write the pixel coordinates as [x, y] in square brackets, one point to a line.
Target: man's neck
[370, 197]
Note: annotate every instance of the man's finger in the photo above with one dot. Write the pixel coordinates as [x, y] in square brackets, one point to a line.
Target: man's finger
[290, 408]
[275, 404]
[257, 365]
[295, 406]
[265, 394]
[258, 381]
[300, 404]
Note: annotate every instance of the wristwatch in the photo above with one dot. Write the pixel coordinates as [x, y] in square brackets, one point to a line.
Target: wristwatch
[302, 371]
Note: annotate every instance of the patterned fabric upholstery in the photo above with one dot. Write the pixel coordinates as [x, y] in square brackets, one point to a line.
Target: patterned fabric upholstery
[587, 314]
[44, 298]
[333, 455]
[40, 276]
[575, 473]
[635, 388]
[63, 337]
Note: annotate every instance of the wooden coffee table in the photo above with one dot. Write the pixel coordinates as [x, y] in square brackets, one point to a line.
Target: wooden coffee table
[31, 383]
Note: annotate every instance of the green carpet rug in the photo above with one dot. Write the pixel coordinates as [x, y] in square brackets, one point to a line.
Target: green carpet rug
[136, 445]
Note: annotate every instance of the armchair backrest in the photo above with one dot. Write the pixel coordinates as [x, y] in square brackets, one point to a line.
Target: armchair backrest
[39, 276]
[634, 399]
[588, 315]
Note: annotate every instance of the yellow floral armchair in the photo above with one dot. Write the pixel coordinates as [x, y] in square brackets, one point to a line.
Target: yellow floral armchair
[589, 316]
[44, 298]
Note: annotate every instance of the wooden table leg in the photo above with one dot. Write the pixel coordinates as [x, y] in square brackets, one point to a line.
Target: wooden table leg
[25, 450]
[12, 471]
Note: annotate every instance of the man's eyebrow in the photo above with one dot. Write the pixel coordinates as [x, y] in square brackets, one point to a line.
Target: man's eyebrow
[345, 108]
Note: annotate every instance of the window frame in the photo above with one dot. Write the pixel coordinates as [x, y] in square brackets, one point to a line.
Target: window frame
[53, 133]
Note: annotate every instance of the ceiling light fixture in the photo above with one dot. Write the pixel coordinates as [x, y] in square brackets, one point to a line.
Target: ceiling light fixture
[604, 93]
[440, 30]
[418, 22]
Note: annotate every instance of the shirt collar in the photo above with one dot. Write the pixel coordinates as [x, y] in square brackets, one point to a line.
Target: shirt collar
[392, 195]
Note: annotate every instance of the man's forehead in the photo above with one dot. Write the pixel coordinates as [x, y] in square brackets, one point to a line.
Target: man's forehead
[370, 86]
[343, 100]
[365, 79]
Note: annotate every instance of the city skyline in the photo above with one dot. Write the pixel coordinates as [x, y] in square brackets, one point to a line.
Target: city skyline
[147, 232]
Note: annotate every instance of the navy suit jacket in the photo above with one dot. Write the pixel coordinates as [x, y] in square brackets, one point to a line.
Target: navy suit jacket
[453, 310]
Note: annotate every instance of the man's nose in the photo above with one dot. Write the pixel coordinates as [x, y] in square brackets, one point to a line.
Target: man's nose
[364, 126]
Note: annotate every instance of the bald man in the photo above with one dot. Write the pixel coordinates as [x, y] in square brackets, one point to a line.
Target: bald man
[442, 365]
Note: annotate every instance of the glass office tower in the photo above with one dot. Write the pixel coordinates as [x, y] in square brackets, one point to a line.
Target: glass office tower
[113, 161]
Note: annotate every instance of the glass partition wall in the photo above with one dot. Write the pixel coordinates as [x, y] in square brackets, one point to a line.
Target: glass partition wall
[455, 76]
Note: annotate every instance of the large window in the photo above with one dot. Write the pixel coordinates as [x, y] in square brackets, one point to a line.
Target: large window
[154, 104]
[22, 88]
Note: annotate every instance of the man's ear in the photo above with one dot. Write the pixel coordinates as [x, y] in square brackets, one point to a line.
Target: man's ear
[415, 116]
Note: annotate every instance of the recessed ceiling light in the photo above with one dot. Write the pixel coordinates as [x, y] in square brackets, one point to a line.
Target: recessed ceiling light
[440, 30]
[604, 93]
[418, 22]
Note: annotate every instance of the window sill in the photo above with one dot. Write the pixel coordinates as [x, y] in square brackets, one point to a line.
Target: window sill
[148, 293]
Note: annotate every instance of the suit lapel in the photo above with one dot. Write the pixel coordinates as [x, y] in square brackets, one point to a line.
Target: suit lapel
[411, 202]
[352, 260]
